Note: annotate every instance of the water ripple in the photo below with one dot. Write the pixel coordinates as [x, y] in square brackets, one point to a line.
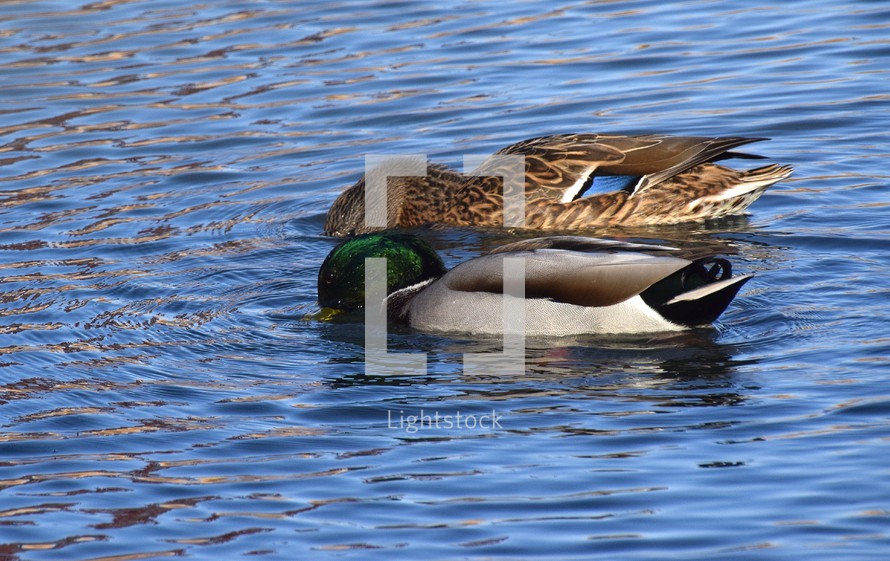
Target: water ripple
[164, 174]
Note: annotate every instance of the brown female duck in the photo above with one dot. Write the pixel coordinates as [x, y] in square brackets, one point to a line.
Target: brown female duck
[572, 181]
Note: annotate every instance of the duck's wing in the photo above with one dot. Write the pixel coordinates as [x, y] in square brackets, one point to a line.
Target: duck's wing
[655, 158]
[562, 167]
[583, 278]
[554, 165]
[578, 243]
[583, 243]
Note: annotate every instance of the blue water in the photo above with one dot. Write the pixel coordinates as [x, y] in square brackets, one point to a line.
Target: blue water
[165, 171]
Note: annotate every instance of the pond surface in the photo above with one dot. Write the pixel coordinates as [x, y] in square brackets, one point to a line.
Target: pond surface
[165, 171]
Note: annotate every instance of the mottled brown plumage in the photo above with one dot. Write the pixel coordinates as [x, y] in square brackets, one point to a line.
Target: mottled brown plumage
[662, 180]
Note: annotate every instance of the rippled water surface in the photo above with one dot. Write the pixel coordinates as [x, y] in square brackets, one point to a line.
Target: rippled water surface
[165, 171]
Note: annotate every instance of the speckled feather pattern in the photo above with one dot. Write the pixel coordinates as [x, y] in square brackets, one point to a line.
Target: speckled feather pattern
[679, 182]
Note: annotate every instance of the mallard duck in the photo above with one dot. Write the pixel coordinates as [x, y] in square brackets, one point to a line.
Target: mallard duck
[572, 181]
[572, 285]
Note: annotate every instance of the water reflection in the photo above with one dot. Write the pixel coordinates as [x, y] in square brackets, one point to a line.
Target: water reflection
[674, 370]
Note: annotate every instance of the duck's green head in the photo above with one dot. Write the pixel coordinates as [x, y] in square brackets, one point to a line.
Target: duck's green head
[341, 279]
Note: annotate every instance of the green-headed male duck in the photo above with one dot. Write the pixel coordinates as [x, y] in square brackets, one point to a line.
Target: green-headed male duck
[573, 181]
[573, 285]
